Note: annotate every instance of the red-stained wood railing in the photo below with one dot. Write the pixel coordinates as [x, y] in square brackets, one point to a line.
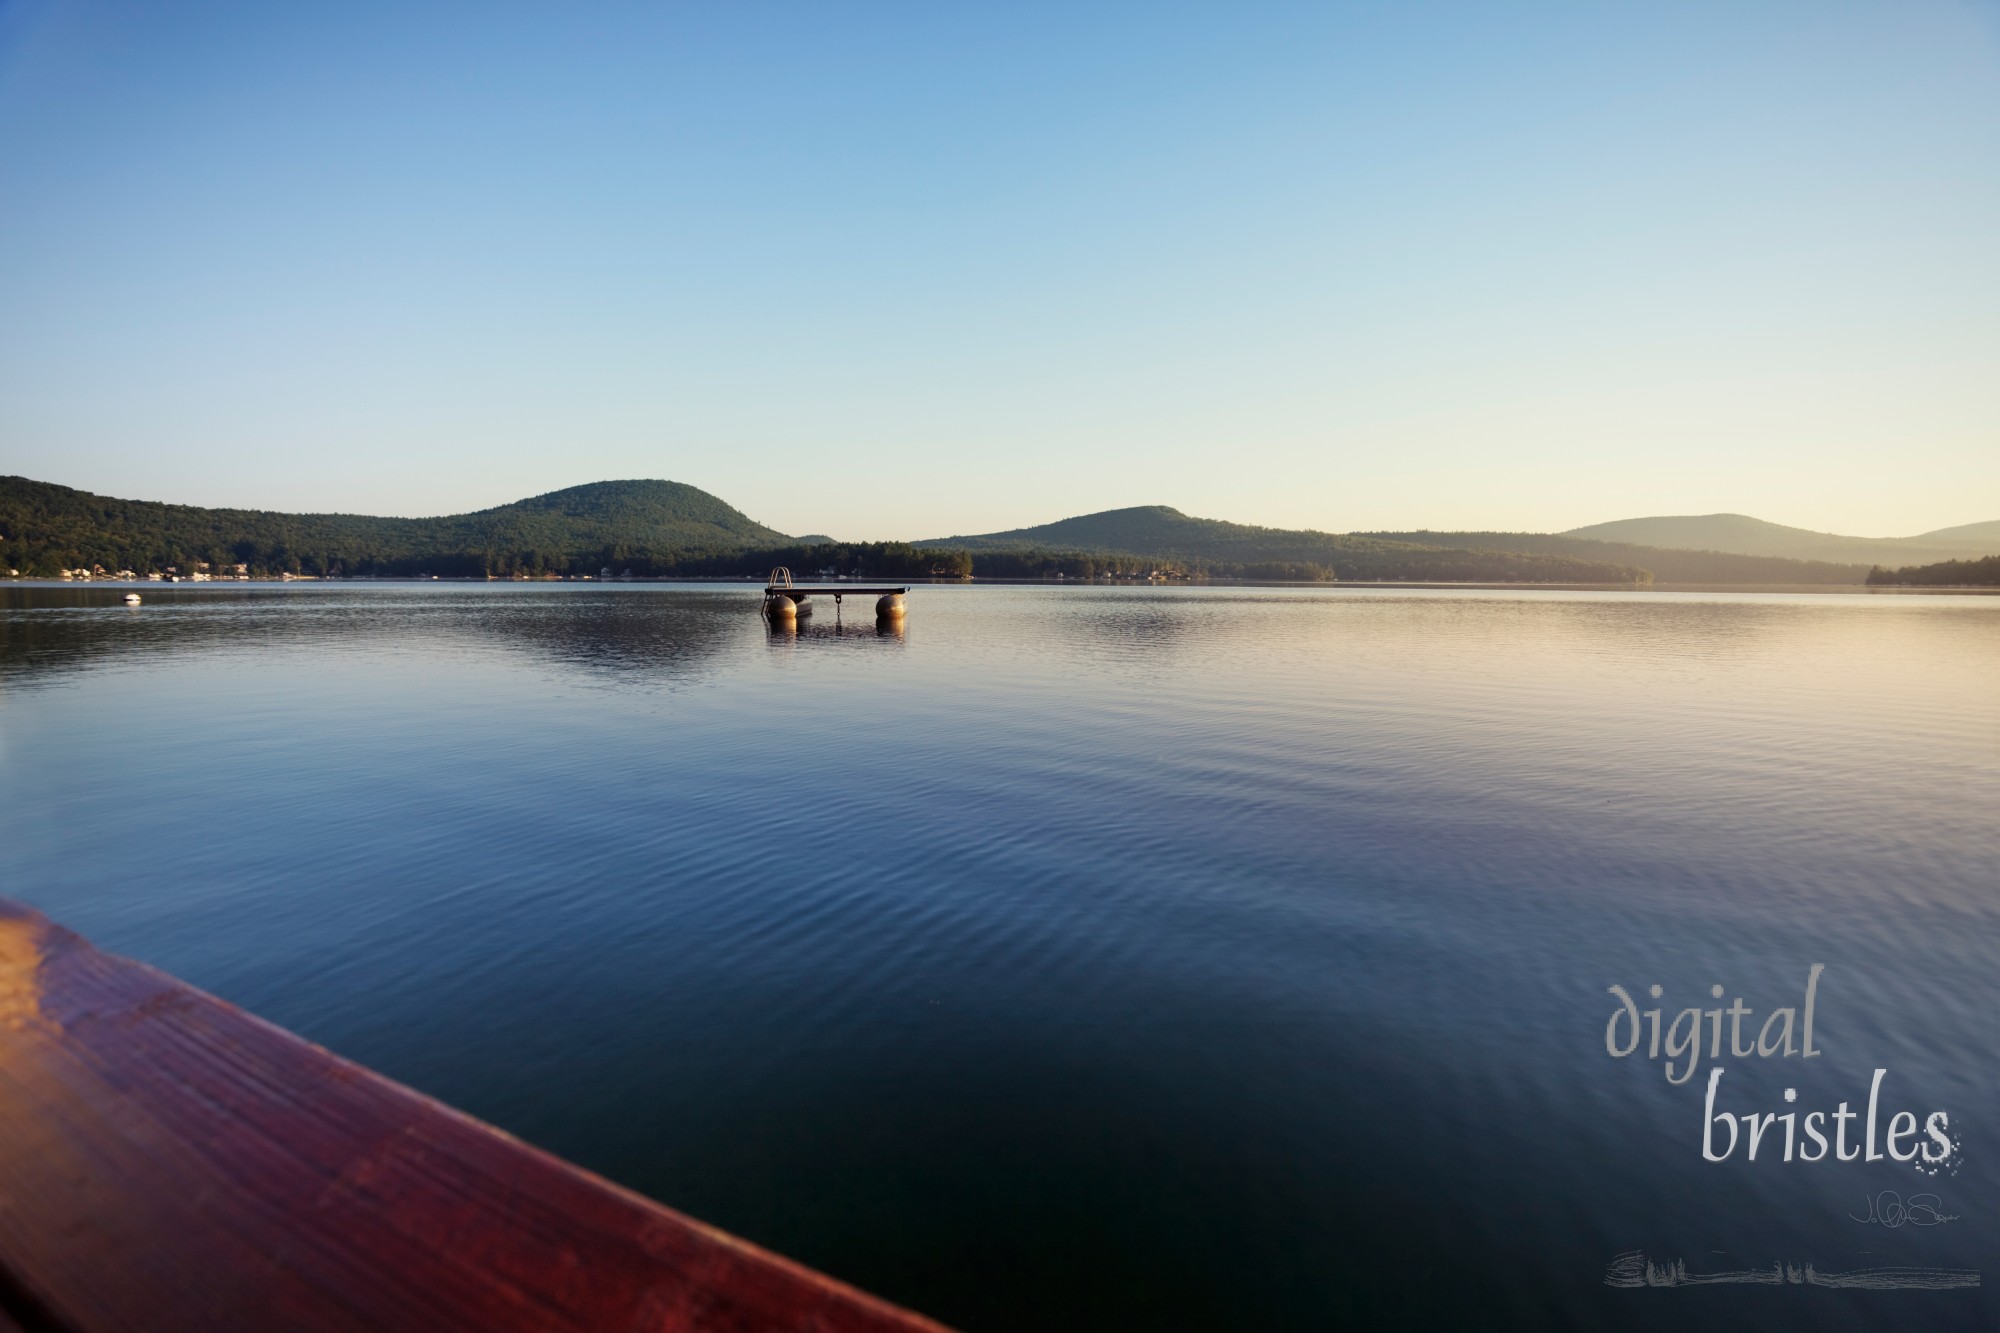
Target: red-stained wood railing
[169, 1162]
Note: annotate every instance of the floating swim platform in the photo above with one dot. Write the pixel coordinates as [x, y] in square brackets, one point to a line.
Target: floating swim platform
[786, 600]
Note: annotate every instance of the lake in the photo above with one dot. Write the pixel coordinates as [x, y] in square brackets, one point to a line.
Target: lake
[1084, 958]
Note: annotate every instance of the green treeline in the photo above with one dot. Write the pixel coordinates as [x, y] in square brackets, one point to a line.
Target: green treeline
[1983, 573]
[1031, 564]
[1412, 563]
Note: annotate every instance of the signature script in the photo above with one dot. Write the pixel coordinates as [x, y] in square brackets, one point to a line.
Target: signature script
[1889, 1209]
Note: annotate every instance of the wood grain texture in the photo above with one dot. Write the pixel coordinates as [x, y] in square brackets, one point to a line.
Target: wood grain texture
[169, 1162]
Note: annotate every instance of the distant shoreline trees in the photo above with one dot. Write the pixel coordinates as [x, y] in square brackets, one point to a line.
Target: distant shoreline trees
[1982, 573]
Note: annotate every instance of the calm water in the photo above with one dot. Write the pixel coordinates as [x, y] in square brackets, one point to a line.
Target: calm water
[1087, 958]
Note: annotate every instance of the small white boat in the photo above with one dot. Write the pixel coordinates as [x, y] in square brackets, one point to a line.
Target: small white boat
[131, 599]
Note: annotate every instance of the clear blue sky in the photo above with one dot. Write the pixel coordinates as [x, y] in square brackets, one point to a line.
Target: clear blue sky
[905, 271]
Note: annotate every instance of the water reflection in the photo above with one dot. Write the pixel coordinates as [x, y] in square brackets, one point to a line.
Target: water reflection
[784, 632]
[653, 634]
[1082, 958]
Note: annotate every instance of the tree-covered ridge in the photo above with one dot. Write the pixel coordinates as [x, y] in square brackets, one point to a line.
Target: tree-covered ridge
[1982, 573]
[1667, 566]
[1158, 530]
[46, 528]
[1740, 534]
[663, 529]
[1220, 547]
[653, 529]
[647, 509]
[1985, 534]
[1367, 562]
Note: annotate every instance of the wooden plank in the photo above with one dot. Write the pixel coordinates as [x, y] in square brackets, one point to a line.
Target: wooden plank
[169, 1162]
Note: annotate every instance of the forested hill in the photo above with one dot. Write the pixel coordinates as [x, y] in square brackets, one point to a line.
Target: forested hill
[1667, 566]
[1146, 530]
[45, 528]
[1163, 533]
[1217, 547]
[1985, 534]
[1740, 534]
[660, 528]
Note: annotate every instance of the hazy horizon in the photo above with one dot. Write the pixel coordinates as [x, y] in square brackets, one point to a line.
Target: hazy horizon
[905, 272]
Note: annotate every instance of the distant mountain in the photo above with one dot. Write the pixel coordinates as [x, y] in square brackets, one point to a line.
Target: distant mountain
[1164, 533]
[1215, 546]
[1157, 530]
[658, 513]
[1667, 565]
[1739, 534]
[45, 527]
[662, 528]
[1981, 534]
